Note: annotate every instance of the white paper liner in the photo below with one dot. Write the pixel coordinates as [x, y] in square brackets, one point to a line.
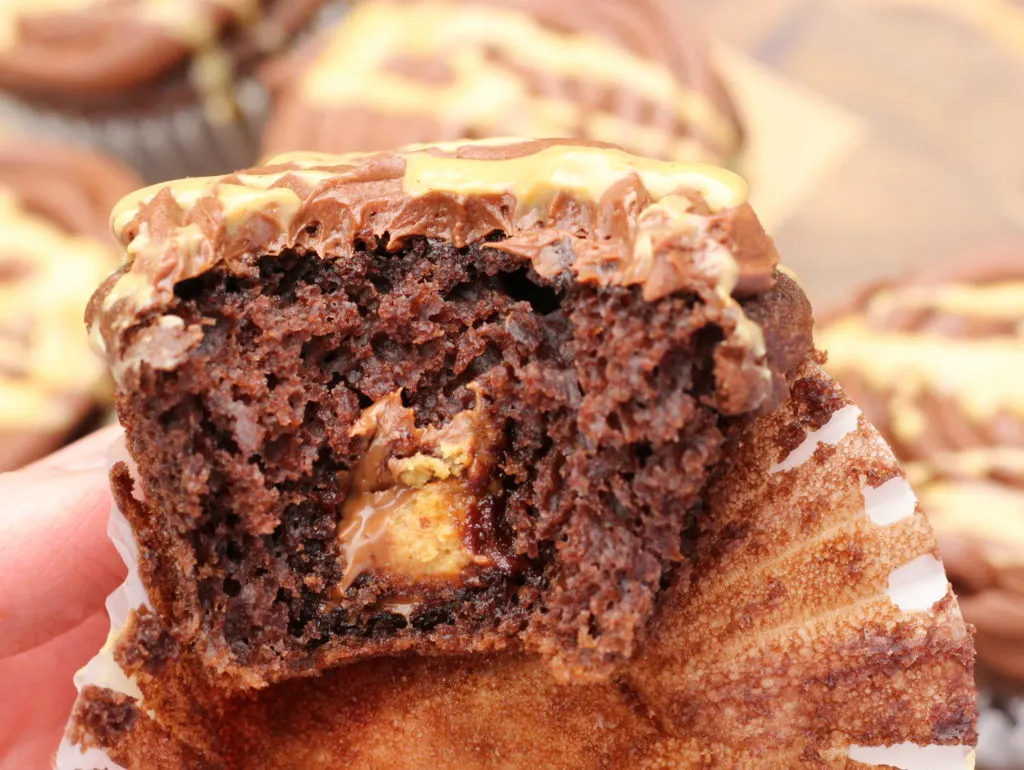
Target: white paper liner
[70, 757]
[915, 587]
[698, 658]
[890, 502]
[103, 670]
[839, 425]
[910, 756]
[918, 585]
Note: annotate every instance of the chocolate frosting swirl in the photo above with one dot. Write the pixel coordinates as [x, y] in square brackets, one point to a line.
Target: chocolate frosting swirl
[400, 71]
[72, 187]
[574, 210]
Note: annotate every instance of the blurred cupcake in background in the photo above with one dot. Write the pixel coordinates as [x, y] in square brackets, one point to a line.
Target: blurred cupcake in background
[163, 84]
[629, 72]
[55, 249]
[937, 363]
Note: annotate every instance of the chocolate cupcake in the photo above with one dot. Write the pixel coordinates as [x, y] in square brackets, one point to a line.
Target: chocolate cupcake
[416, 386]
[395, 72]
[936, 361]
[163, 85]
[522, 448]
[54, 209]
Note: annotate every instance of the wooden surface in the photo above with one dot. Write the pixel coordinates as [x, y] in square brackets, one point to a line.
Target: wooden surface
[939, 87]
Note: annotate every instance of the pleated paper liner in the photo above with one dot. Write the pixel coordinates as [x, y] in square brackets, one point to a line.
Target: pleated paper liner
[818, 630]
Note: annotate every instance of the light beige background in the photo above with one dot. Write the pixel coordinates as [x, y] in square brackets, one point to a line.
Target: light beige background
[940, 171]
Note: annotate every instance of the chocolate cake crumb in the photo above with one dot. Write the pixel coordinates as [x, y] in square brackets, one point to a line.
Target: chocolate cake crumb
[599, 396]
[113, 723]
[102, 716]
[153, 645]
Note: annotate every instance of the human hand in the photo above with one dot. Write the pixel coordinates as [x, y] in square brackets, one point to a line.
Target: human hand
[57, 567]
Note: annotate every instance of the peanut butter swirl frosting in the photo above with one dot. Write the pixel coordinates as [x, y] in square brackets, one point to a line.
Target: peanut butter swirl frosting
[399, 71]
[937, 362]
[55, 250]
[591, 211]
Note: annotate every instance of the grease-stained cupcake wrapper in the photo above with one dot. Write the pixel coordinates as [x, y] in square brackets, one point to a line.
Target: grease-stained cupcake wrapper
[862, 646]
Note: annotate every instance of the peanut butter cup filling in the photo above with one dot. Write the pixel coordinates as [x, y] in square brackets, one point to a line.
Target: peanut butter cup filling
[418, 516]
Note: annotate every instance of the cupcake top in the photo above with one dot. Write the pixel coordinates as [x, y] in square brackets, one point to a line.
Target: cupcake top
[90, 54]
[401, 71]
[937, 362]
[55, 250]
[603, 215]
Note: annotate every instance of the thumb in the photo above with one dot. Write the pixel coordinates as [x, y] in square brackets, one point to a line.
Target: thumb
[58, 564]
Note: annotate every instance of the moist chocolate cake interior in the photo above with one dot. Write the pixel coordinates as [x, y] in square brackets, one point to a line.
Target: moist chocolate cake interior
[586, 411]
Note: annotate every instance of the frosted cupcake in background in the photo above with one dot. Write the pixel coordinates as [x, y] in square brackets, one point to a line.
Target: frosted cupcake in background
[162, 84]
[54, 205]
[396, 72]
[523, 449]
[937, 363]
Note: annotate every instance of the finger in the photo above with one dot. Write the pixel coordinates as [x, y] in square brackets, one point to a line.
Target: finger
[39, 694]
[58, 564]
[86, 454]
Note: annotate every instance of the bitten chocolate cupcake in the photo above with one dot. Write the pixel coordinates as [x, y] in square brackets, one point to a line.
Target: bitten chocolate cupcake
[415, 387]
[54, 208]
[937, 361]
[395, 72]
[163, 84]
[522, 448]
